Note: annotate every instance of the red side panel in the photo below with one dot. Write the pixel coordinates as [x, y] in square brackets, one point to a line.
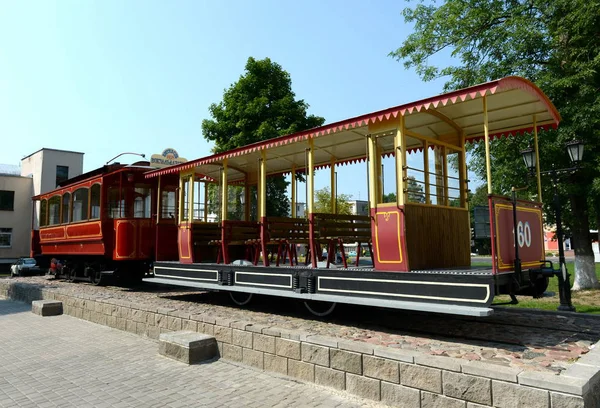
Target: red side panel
[134, 239]
[125, 239]
[184, 242]
[529, 234]
[166, 242]
[36, 248]
[86, 230]
[84, 238]
[389, 239]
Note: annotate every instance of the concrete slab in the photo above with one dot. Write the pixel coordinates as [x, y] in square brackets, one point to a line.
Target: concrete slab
[188, 347]
[47, 307]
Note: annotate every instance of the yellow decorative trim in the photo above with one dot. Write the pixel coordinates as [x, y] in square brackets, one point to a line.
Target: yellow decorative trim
[497, 208]
[84, 236]
[132, 255]
[387, 214]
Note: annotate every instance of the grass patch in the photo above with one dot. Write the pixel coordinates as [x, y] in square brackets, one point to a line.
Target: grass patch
[585, 301]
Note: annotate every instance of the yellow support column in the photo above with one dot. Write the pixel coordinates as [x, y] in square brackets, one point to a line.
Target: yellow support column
[294, 191]
[399, 142]
[373, 185]
[379, 151]
[181, 200]
[426, 171]
[224, 195]
[446, 179]
[486, 133]
[463, 174]
[263, 184]
[537, 159]
[205, 201]
[310, 180]
[333, 188]
[191, 196]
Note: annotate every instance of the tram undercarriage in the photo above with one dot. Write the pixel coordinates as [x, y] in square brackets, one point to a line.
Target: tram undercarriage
[467, 291]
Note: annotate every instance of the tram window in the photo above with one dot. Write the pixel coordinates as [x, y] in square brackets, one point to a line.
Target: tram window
[198, 211]
[142, 204]
[95, 202]
[415, 171]
[437, 178]
[168, 204]
[185, 198]
[54, 210]
[115, 206]
[453, 178]
[43, 213]
[80, 204]
[66, 208]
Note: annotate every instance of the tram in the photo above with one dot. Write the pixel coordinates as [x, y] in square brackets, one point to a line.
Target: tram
[420, 243]
[100, 224]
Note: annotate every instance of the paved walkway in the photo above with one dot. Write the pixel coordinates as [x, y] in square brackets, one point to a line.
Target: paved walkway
[67, 362]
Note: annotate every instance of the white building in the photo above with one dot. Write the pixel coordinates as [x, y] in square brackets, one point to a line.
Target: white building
[39, 172]
[300, 210]
[359, 207]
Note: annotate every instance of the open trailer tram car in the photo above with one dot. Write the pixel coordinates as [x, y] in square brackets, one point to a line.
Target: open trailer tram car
[420, 243]
[102, 224]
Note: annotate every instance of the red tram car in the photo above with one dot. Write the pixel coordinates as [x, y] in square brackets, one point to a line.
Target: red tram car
[101, 223]
[420, 243]
[118, 219]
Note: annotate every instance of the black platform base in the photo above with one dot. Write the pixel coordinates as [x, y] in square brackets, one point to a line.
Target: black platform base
[464, 291]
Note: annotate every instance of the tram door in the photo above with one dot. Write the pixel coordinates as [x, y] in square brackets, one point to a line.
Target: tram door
[387, 225]
[166, 220]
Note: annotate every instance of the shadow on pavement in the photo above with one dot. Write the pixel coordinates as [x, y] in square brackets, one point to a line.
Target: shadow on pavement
[11, 307]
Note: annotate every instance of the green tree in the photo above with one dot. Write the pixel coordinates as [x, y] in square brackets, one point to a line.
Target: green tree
[556, 44]
[323, 202]
[259, 106]
[389, 198]
[416, 193]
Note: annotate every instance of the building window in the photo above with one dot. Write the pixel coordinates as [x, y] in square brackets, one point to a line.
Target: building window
[7, 200]
[62, 174]
[5, 237]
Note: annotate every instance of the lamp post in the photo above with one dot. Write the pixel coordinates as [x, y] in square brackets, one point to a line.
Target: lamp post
[575, 150]
[121, 154]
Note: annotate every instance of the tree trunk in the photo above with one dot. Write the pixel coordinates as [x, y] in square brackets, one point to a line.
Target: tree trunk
[585, 269]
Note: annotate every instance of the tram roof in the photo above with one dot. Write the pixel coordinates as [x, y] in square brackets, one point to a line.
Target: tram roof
[512, 102]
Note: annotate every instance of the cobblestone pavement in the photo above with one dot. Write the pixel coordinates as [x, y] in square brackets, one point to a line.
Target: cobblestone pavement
[517, 338]
[66, 362]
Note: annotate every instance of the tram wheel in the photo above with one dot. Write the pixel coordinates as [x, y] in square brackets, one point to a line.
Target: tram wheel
[70, 275]
[319, 308]
[96, 278]
[240, 298]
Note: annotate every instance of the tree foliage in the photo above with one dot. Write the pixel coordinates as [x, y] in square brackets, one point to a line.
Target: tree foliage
[556, 44]
[323, 202]
[259, 106]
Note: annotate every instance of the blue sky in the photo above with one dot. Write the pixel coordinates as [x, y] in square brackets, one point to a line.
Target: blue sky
[104, 77]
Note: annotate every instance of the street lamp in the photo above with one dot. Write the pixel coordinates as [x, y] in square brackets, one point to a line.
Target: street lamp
[575, 150]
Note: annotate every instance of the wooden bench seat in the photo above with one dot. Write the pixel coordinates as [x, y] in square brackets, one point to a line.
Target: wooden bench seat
[335, 229]
[246, 233]
[285, 233]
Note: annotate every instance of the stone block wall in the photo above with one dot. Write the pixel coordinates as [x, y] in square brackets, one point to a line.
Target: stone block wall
[395, 377]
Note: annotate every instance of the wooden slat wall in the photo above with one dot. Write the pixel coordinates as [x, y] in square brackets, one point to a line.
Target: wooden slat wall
[437, 237]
